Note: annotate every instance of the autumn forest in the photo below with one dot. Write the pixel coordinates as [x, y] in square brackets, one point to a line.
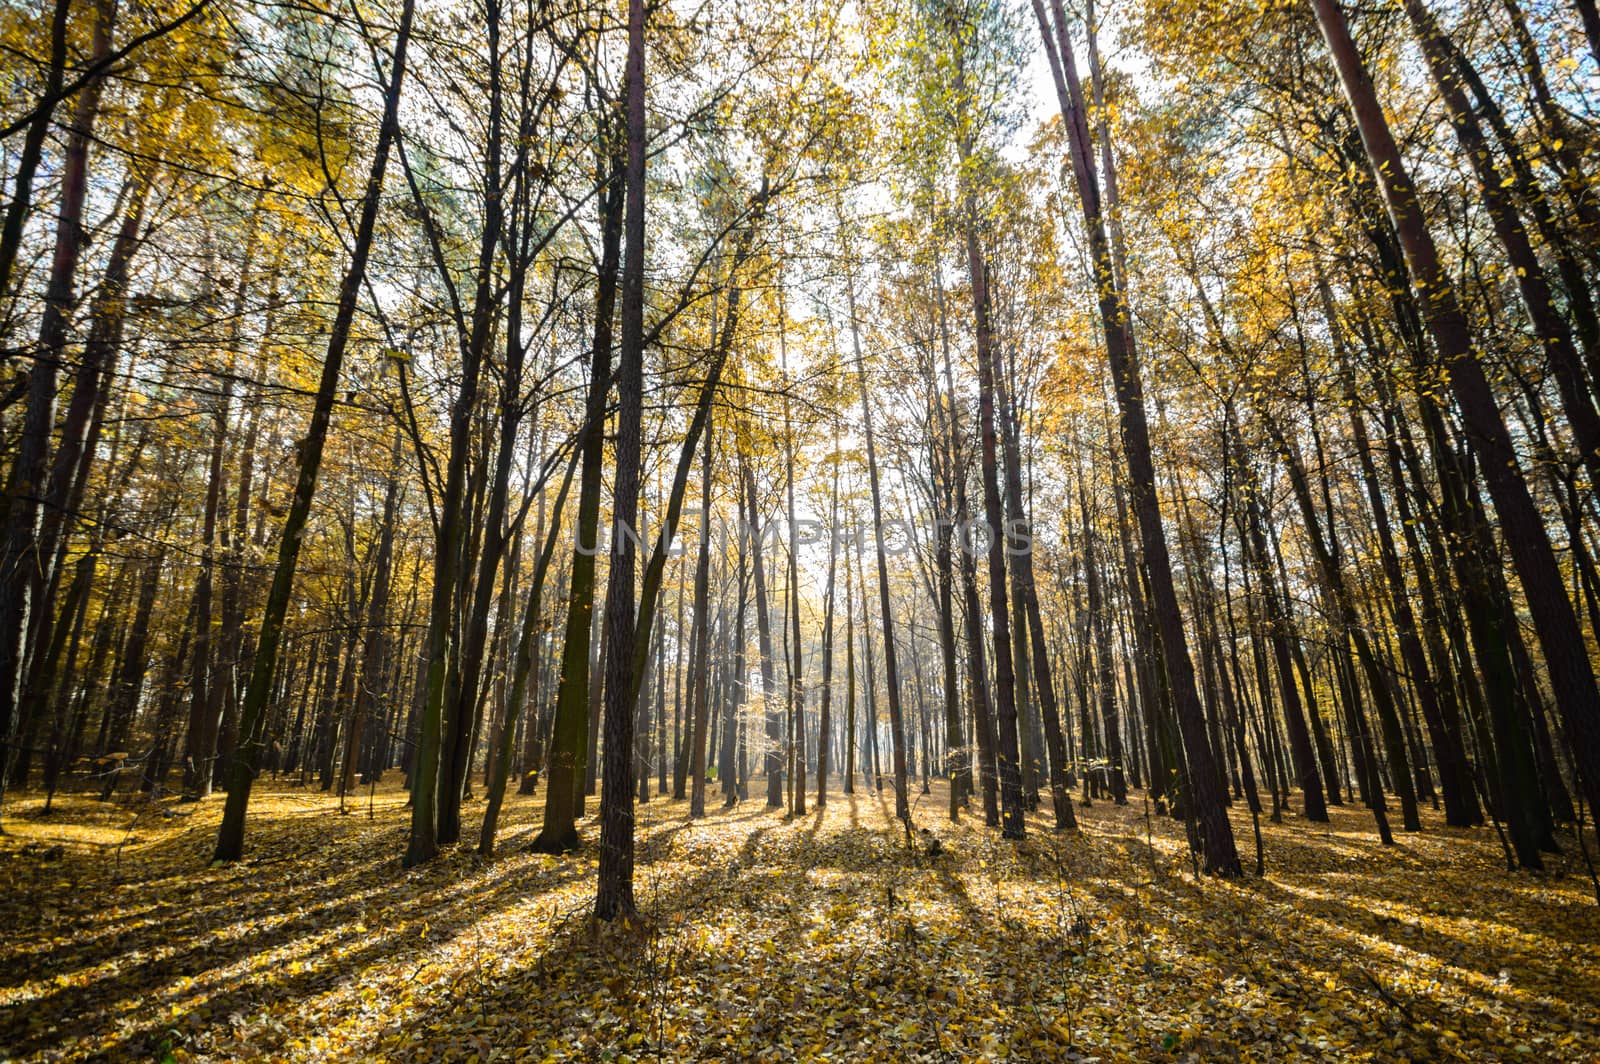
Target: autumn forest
[799, 530]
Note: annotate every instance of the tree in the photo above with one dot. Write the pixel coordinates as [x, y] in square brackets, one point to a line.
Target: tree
[247, 754]
[1216, 835]
[1526, 539]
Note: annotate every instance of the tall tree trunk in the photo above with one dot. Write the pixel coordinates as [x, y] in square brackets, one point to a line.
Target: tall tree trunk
[891, 670]
[567, 755]
[464, 718]
[247, 754]
[72, 463]
[374, 642]
[1102, 638]
[902, 806]
[600, 644]
[1011, 805]
[825, 709]
[234, 648]
[732, 758]
[1524, 532]
[1555, 338]
[1258, 552]
[21, 572]
[1459, 802]
[796, 686]
[130, 675]
[772, 755]
[614, 888]
[32, 152]
[206, 674]
[523, 667]
[1158, 751]
[435, 785]
[960, 760]
[699, 697]
[1207, 805]
[1355, 632]
[1022, 568]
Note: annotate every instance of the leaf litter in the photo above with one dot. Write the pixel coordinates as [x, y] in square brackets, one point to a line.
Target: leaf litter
[766, 938]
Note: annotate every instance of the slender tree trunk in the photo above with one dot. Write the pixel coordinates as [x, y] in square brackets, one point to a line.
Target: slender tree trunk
[1258, 551]
[797, 697]
[130, 675]
[21, 572]
[902, 804]
[772, 755]
[70, 467]
[32, 152]
[1525, 535]
[960, 766]
[206, 674]
[524, 667]
[614, 889]
[1011, 804]
[247, 754]
[1555, 338]
[1355, 632]
[375, 641]
[732, 759]
[825, 710]
[1445, 739]
[567, 755]
[1102, 638]
[699, 698]
[1043, 681]
[1206, 804]
[436, 785]
[849, 680]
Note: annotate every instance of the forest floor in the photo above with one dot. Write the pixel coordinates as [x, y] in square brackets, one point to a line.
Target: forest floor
[823, 937]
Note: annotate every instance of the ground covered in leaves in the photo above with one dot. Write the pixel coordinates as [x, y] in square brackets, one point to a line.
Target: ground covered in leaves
[823, 937]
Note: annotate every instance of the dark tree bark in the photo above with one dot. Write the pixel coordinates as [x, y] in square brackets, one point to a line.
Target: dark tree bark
[247, 754]
[1207, 805]
[567, 755]
[614, 891]
[21, 572]
[732, 757]
[207, 674]
[795, 654]
[772, 759]
[1444, 735]
[435, 784]
[1019, 544]
[1011, 802]
[523, 668]
[1555, 338]
[32, 152]
[700, 695]
[70, 467]
[1282, 638]
[1355, 632]
[374, 640]
[1525, 535]
[1107, 680]
[954, 483]
[849, 756]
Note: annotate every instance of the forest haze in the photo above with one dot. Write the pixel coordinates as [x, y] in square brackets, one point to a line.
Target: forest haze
[799, 529]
